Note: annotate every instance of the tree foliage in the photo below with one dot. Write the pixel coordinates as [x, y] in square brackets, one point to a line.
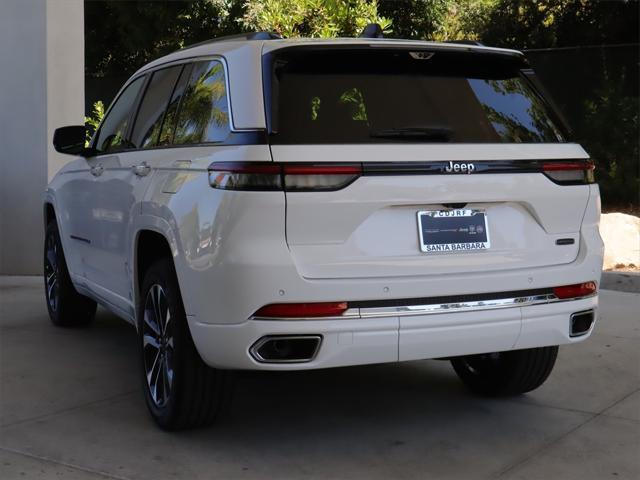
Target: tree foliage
[419, 19]
[466, 19]
[312, 18]
[609, 131]
[520, 24]
[526, 24]
[92, 121]
[121, 36]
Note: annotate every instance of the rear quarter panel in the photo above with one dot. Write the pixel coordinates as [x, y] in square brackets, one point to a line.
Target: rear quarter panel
[205, 226]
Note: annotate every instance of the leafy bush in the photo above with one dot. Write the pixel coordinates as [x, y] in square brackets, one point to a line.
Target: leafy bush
[313, 18]
[93, 120]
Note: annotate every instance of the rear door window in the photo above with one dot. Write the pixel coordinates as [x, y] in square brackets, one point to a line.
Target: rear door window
[204, 114]
[151, 113]
[367, 95]
[171, 117]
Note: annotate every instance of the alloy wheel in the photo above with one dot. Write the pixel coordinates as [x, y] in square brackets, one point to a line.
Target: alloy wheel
[158, 345]
[51, 273]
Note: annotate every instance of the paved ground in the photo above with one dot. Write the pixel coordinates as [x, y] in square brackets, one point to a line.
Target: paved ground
[71, 408]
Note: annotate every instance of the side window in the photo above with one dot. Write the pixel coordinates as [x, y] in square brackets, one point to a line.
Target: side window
[112, 134]
[146, 129]
[171, 117]
[204, 114]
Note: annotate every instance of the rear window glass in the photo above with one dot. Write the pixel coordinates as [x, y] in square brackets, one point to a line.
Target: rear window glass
[360, 96]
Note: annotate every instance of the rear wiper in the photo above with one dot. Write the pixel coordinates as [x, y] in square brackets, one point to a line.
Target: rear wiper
[407, 133]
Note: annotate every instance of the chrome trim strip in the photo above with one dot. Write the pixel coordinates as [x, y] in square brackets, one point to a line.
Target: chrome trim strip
[253, 350]
[437, 308]
[429, 309]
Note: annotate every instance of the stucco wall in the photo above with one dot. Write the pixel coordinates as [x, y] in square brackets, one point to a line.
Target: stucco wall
[41, 88]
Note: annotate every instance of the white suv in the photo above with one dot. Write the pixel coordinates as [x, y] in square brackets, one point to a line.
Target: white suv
[272, 204]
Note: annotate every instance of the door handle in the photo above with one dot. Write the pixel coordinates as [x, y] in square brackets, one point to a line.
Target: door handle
[141, 170]
[97, 170]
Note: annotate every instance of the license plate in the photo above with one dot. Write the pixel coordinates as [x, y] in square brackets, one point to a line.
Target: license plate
[453, 230]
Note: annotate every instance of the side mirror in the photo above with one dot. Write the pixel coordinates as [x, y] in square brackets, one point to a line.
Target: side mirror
[70, 140]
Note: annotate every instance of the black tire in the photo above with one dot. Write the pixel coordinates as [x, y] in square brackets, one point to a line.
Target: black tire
[67, 308]
[506, 373]
[194, 391]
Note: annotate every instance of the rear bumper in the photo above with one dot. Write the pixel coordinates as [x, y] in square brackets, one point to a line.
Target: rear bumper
[357, 341]
[227, 276]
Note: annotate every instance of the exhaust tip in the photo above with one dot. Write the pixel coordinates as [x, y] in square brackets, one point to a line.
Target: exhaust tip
[581, 323]
[286, 348]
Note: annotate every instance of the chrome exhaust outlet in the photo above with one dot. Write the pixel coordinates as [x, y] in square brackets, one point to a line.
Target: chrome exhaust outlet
[286, 348]
[581, 323]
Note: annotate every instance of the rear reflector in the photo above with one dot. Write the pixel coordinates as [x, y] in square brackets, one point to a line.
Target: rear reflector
[570, 172]
[319, 177]
[269, 176]
[319, 169]
[302, 310]
[575, 291]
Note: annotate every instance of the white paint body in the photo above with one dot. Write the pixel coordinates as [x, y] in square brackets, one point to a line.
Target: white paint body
[236, 251]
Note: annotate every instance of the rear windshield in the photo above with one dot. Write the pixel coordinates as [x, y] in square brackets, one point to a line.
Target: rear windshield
[373, 95]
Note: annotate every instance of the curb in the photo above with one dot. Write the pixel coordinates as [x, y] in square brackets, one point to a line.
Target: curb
[621, 281]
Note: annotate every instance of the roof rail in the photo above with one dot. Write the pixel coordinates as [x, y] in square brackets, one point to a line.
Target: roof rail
[240, 36]
[466, 42]
[373, 30]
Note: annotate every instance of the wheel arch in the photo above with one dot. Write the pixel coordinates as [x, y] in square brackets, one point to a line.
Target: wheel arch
[150, 245]
[49, 212]
[152, 241]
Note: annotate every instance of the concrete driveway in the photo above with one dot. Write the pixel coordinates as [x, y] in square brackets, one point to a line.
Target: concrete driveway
[71, 407]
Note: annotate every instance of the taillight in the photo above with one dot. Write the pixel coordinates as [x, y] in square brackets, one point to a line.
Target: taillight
[569, 172]
[245, 176]
[575, 291]
[302, 310]
[291, 177]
